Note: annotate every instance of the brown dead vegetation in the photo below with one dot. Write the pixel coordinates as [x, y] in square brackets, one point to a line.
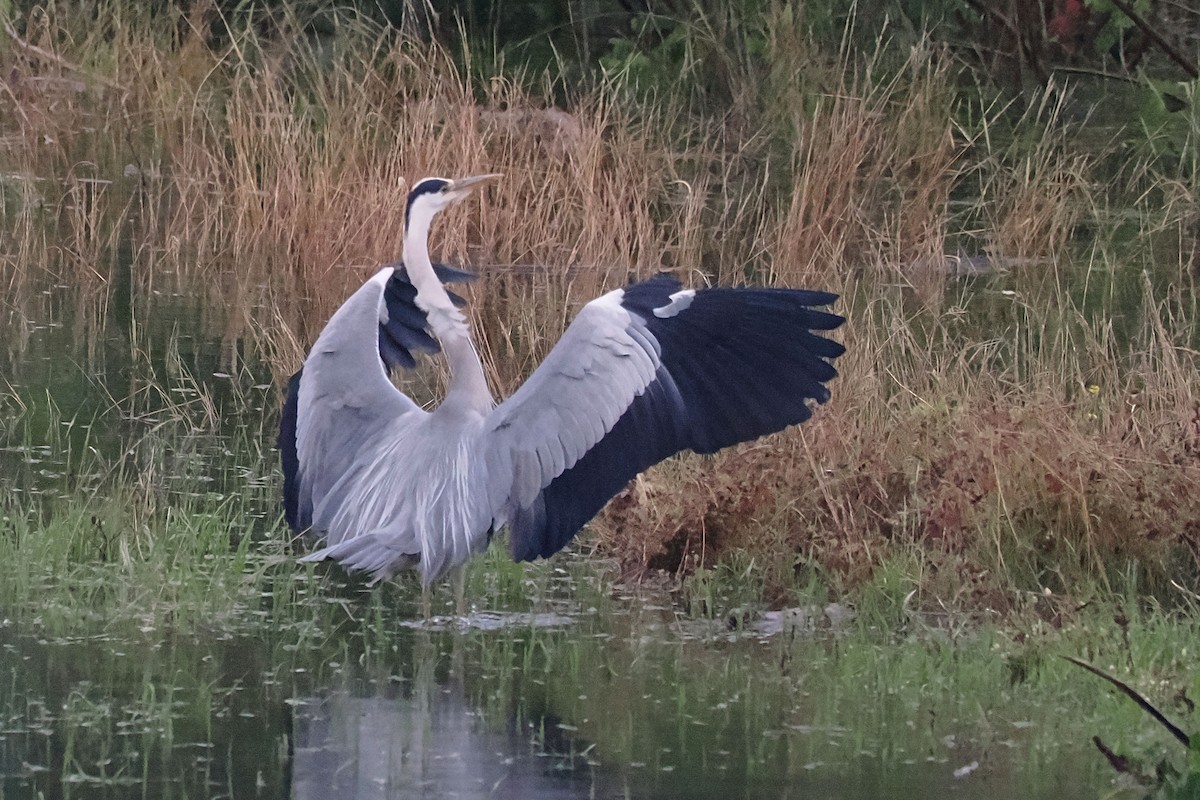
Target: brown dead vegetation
[1020, 441]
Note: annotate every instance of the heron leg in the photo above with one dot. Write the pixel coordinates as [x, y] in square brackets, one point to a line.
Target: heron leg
[426, 611]
[458, 578]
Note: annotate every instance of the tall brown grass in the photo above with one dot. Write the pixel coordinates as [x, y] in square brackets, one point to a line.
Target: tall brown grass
[1024, 431]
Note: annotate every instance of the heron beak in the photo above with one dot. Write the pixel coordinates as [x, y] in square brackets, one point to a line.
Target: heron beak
[462, 187]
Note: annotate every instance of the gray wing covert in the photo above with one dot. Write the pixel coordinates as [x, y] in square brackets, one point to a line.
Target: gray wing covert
[601, 363]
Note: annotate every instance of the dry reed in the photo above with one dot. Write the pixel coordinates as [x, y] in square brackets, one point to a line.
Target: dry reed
[1021, 440]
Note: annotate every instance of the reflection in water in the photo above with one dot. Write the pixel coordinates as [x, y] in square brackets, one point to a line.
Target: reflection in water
[427, 739]
[429, 744]
[424, 737]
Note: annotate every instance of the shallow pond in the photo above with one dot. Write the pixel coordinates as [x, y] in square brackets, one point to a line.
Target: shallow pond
[340, 694]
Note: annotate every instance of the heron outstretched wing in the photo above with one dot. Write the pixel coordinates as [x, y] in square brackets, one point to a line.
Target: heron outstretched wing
[338, 424]
[641, 374]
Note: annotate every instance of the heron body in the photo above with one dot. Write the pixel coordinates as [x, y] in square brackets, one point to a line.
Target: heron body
[642, 373]
[367, 445]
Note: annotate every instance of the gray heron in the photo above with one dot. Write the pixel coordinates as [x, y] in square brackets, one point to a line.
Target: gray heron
[643, 372]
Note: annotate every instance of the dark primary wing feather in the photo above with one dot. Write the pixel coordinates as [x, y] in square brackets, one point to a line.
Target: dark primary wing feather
[298, 518]
[405, 332]
[734, 365]
[744, 360]
[403, 335]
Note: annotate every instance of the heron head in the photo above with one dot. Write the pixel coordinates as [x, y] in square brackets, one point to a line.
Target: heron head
[431, 195]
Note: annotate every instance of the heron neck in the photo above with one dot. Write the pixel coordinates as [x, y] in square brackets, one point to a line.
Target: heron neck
[468, 386]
